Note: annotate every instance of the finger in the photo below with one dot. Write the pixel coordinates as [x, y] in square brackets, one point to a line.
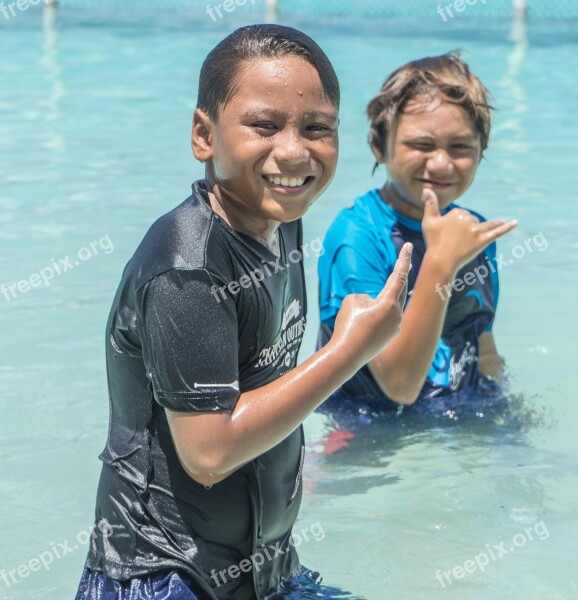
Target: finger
[489, 225]
[498, 231]
[431, 205]
[396, 285]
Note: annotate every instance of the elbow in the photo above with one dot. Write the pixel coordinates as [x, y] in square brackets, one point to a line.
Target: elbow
[206, 468]
[403, 396]
[394, 385]
[400, 392]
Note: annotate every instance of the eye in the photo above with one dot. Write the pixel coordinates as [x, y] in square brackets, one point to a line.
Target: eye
[423, 146]
[265, 126]
[317, 131]
[317, 128]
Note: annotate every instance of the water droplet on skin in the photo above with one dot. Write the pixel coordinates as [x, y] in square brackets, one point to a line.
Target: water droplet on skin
[285, 84]
[300, 92]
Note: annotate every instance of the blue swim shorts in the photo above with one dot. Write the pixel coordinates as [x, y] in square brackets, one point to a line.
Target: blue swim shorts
[157, 586]
[170, 586]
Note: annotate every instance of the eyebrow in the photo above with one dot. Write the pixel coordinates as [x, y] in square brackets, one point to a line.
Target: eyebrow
[260, 113]
[463, 137]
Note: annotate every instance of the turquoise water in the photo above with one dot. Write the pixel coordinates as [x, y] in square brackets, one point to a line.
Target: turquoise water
[95, 112]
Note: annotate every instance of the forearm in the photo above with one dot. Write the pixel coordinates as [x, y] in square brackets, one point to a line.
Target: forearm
[212, 446]
[402, 367]
[492, 365]
[262, 418]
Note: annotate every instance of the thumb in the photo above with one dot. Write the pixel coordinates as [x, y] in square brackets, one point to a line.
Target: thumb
[431, 204]
[396, 284]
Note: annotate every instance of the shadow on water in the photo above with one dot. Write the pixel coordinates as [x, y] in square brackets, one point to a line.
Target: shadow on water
[361, 439]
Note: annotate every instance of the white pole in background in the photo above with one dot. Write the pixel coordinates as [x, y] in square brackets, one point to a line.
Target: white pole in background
[272, 13]
[520, 10]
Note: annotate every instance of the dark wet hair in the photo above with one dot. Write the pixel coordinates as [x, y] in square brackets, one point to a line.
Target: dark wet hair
[447, 75]
[218, 78]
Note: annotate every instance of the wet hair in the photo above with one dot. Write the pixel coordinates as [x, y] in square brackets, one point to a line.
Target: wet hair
[446, 75]
[218, 79]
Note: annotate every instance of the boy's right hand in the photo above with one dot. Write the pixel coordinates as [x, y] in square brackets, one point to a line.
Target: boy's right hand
[458, 236]
[365, 325]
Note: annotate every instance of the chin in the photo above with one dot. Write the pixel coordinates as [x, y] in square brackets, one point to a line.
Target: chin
[285, 213]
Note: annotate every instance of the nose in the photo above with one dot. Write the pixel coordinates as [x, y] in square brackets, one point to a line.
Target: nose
[440, 162]
[291, 147]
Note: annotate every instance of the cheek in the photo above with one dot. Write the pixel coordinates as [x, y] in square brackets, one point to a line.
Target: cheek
[333, 156]
[401, 167]
[467, 169]
[405, 161]
[328, 154]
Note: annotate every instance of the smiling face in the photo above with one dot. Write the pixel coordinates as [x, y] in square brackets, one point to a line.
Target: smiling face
[274, 147]
[435, 145]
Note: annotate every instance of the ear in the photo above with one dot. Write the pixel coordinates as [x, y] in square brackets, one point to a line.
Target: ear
[202, 136]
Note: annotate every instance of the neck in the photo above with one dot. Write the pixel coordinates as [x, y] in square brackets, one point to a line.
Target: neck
[239, 219]
[407, 207]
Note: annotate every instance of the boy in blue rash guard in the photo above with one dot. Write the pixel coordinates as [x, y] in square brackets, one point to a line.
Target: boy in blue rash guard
[201, 479]
[430, 126]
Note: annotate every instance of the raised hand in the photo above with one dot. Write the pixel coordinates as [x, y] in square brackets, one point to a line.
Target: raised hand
[364, 324]
[458, 236]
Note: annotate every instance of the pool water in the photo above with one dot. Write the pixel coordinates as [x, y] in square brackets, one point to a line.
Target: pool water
[95, 110]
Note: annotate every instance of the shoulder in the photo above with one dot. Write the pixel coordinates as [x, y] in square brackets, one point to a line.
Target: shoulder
[189, 237]
[366, 219]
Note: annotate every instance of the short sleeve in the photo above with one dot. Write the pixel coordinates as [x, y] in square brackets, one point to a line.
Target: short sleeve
[493, 266]
[490, 254]
[190, 342]
[357, 273]
[360, 268]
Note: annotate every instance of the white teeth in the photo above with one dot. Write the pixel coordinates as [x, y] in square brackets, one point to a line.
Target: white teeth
[287, 181]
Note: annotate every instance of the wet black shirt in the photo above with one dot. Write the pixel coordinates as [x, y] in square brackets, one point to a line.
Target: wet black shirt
[202, 314]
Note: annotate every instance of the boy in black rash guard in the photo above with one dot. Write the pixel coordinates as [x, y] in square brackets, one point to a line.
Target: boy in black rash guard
[201, 476]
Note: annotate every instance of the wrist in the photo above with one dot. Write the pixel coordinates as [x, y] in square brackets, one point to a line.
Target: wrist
[441, 267]
[344, 356]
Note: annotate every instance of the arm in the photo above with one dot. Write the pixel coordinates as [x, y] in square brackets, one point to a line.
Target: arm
[211, 446]
[452, 241]
[490, 362]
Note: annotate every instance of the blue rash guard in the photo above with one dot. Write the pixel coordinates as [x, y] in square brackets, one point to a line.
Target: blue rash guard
[361, 248]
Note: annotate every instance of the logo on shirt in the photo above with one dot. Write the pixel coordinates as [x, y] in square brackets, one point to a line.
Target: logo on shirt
[284, 350]
[293, 310]
[458, 368]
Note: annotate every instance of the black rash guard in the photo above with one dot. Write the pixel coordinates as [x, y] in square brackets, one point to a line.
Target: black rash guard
[202, 314]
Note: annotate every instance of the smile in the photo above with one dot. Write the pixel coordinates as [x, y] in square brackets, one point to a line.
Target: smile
[436, 183]
[291, 185]
[286, 181]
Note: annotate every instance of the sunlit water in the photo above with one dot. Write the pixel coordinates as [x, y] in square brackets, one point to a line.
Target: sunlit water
[95, 115]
